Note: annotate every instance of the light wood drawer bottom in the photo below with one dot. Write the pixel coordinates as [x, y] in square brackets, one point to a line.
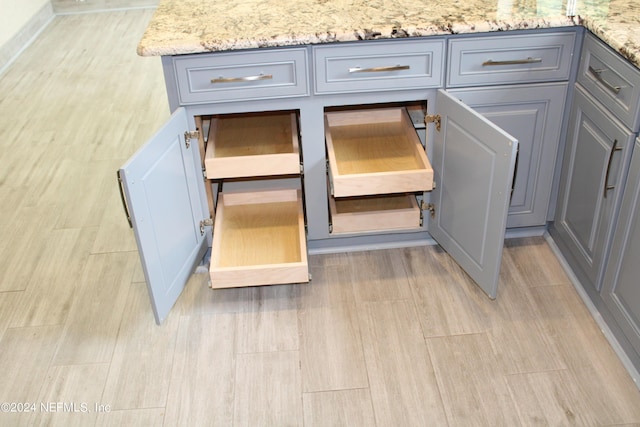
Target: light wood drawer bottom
[259, 239]
[374, 213]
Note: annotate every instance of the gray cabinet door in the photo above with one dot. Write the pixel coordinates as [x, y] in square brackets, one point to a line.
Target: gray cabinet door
[533, 115]
[594, 165]
[163, 188]
[473, 163]
[621, 288]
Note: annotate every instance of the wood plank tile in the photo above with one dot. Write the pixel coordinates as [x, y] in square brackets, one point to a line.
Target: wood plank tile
[78, 388]
[268, 390]
[22, 248]
[331, 285]
[201, 391]
[7, 300]
[330, 343]
[380, 275]
[338, 408]
[52, 287]
[114, 234]
[535, 261]
[607, 388]
[447, 300]
[471, 380]
[92, 327]
[152, 417]
[142, 358]
[402, 382]
[25, 357]
[516, 315]
[551, 398]
[270, 321]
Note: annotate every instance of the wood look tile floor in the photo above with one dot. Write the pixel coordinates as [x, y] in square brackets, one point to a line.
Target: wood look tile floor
[383, 338]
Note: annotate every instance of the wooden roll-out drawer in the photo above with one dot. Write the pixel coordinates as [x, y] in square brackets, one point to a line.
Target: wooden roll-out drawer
[375, 151]
[259, 239]
[250, 145]
[374, 213]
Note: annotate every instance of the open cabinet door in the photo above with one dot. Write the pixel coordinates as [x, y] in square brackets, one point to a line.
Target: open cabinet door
[473, 163]
[163, 189]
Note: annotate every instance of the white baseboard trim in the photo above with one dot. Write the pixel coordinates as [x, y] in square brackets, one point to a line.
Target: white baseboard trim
[10, 50]
[103, 10]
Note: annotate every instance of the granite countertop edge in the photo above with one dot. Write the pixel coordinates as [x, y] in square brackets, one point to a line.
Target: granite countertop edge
[161, 38]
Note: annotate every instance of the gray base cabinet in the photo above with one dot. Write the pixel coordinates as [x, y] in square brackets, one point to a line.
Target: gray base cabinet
[520, 79]
[595, 161]
[597, 223]
[533, 114]
[621, 286]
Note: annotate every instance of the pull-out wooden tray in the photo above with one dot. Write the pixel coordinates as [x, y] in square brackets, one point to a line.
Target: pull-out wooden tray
[248, 145]
[374, 213]
[375, 151]
[259, 239]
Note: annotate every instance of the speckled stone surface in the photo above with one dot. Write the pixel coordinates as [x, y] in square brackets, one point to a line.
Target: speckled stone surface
[195, 26]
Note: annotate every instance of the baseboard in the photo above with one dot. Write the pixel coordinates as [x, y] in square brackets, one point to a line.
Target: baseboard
[70, 7]
[10, 50]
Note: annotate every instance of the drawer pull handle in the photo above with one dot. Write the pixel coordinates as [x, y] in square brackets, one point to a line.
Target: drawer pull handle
[598, 75]
[242, 79]
[608, 187]
[512, 62]
[379, 69]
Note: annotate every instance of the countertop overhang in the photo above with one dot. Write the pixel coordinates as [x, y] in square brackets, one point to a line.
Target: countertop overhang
[195, 26]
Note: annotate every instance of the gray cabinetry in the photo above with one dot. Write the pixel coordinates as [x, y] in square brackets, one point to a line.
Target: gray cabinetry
[621, 286]
[597, 225]
[594, 166]
[501, 77]
[533, 115]
[473, 159]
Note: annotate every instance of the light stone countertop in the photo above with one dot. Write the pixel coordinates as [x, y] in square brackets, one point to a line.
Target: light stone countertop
[196, 26]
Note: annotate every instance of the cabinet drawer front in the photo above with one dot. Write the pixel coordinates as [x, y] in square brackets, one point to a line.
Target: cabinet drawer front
[248, 145]
[220, 77]
[259, 239]
[375, 151]
[374, 214]
[378, 66]
[510, 59]
[611, 80]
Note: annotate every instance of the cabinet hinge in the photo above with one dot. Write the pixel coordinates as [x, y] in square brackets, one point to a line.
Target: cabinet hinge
[433, 118]
[428, 207]
[205, 223]
[189, 135]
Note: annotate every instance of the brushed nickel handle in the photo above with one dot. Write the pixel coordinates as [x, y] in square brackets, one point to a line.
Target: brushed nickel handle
[529, 60]
[608, 187]
[242, 79]
[598, 76]
[124, 200]
[379, 69]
